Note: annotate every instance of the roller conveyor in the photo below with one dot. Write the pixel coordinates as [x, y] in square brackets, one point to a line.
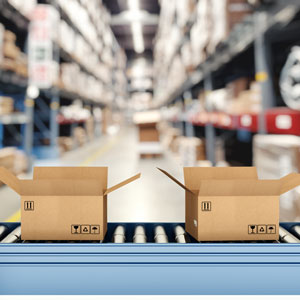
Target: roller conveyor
[131, 260]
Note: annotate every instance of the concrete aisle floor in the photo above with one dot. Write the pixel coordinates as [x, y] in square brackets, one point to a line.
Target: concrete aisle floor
[153, 198]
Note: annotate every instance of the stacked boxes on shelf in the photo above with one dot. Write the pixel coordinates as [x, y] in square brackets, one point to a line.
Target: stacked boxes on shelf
[65, 144]
[71, 116]
[24, 7]
[193, 30]
[239, 97]
[90, 43]
[191, 151]
[6, 105]
[224, 15]
[11, 57]
[14, 160]
[76, 81]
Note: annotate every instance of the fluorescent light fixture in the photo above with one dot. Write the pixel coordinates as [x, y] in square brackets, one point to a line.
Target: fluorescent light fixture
[136, 27]
[137, 35]
[133, 4]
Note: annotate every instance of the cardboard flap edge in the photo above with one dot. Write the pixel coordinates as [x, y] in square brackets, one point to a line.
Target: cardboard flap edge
[119, 185]
[289, 182]
[10, 180]
[175, 180]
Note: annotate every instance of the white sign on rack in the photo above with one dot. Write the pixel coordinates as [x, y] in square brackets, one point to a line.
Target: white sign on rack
[43, 70]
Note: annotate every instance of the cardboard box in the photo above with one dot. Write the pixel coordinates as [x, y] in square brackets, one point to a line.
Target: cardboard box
[231, 203]
[148, 133]
[191, 150]
[63, 203]
[6, 105]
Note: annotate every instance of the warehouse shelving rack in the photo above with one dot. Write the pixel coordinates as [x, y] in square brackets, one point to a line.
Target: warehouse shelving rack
[14, 126]
[251, 38]
[38, 118]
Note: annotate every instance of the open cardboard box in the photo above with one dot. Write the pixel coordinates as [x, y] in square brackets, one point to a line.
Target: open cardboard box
[63, 203]
[231, 203]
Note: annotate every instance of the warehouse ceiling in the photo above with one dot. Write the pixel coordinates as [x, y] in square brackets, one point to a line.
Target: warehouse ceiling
[145, 12]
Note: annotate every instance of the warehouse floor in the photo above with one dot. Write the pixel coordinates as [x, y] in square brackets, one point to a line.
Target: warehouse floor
[152, 198]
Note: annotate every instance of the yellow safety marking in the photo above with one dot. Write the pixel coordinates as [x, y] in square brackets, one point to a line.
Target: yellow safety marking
[261, 76]
[54, 105]
[208, 92]
[100, 152]
[94, 156]
[29, 102]
[15, 217]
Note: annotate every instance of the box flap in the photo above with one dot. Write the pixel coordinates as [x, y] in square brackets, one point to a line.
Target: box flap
[10, 179]
[61, 187]
[77, 173]
[194, 175]
[289, 182]
[117, 186]
[175, 180]
[242, 187]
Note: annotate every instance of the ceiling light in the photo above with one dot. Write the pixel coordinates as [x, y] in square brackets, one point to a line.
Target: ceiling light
[133, 4]
[136, 27]
[137, 35]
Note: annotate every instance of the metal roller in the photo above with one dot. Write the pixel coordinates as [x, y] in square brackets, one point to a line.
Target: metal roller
[140, 235]
[180, 236]
[286, 236]
[296, 231]
[13, 237]
[160, 235]
[119, 235]
[3, 231]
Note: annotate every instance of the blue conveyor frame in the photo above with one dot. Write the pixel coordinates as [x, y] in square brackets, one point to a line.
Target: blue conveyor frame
[107, 268]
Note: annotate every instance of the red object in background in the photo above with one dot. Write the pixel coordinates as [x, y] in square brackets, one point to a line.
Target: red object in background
[248, 122]
[226, 121]
[283, 120]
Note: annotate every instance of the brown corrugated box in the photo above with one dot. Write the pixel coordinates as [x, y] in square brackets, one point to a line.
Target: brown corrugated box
[147, 125]
[148, 132]
[63, 203]
[231, 203]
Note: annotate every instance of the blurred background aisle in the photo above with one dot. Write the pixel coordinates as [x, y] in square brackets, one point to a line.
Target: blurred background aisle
[140, 84]
[155, 198]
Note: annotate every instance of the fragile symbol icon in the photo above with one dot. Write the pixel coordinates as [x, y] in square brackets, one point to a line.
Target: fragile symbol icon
[252, 229]
[85, 229]
[262, 229]
[75, 229]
